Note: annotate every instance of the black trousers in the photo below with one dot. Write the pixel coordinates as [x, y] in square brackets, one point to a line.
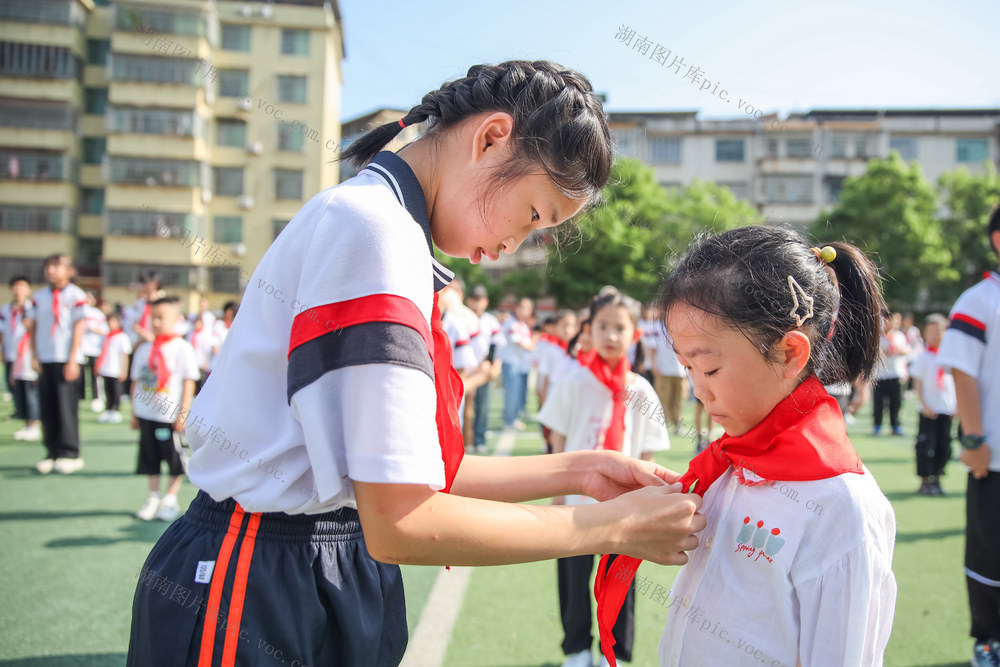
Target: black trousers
[58, 403]
[574, 608]
[887, 389]
[933, 445]
[112, 393]
[982, 566]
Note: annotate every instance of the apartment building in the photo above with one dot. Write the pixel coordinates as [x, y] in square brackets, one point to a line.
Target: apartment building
[792, 168]
[180, 136]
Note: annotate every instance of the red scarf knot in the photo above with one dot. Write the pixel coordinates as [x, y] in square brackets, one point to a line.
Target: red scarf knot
[156, 362]
[614, 380]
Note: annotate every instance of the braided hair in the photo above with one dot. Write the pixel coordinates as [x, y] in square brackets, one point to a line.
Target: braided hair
[559, 122]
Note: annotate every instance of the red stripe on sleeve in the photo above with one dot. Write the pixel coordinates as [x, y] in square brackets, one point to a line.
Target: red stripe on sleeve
[315, 322]
[969, 320]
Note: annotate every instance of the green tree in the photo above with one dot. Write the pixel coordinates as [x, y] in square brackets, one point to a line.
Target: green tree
[634, 237]
[969, 199]
[889, 212]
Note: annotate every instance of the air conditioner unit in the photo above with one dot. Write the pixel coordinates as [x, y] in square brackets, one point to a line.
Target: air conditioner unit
[245, 11]
[255, 148]
[245, 201]
[238, 249]
[244, 104]
[264, 11]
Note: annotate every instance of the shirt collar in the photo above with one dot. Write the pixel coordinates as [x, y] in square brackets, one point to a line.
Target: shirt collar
[394, 171]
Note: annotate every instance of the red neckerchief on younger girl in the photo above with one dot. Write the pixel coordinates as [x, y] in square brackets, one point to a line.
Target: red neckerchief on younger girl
[614, 380]
[449, 387]
[55, 308]
[156, 362]
[104, 348]
[556, 340]
[940, 374]
[802, 439]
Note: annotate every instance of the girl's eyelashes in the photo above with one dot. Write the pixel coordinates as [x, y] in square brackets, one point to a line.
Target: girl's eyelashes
[711, 373]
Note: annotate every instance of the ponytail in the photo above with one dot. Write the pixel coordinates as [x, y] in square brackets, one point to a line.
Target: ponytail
[857, 323]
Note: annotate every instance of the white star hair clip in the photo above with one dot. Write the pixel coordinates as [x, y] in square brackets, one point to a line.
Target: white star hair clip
[806, 302]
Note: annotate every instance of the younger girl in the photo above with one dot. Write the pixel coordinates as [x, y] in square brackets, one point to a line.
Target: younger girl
[601, 404]
[795, 566]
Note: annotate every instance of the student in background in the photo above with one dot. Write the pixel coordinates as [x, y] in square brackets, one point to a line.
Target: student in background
[95, 328]
[138, 317]
[490, 336]
[891, 373]
[56, 337]
[516, 363]
[112, 367]
[163, 376]
[669, 375]
[935, 389]
[202, 339]
[17, 353]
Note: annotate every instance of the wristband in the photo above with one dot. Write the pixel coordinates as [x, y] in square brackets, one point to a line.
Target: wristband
[971, 442]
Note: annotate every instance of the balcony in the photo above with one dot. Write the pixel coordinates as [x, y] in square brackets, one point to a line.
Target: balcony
[37, 219]
[27, 166]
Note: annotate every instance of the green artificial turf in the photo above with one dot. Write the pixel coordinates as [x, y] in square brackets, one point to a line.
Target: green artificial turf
[70, 552]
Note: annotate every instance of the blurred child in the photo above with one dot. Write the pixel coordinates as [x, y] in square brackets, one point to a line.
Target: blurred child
[56, 338]
[586, 410]
[163, 374]
[17, 358]
[112, 367]
[891, 373]
[95, 328]
[796, 563]
[935, 388]
[202, 339]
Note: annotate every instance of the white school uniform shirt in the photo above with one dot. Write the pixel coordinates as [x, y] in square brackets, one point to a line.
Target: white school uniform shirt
[667, 363]
[580, 408]
[163, 405]
[646, 330]
[456, 325]
[202, 340]
[135, 314]
[544, 357]
[219, 334]
[941, 400]
[118, 345]
[517, 333]
[558, 364]
[489, 334]
[312, 391]
[95, 328]
[893, 358]
[786, 572]
[21, 366]
[53, 343]
[971, 345]
[207, 319]
[12, 325]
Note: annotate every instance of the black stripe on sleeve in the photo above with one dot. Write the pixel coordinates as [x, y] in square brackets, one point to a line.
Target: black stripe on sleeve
[367, 343]
[965, 327]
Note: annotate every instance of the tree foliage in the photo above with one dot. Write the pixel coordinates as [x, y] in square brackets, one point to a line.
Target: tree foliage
[969, 199]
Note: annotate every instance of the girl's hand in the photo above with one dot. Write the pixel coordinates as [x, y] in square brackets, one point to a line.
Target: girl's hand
[135, 423]
[977, 459]
[612, 474]
[659, 524]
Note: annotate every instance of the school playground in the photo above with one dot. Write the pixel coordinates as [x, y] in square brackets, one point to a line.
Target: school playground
[70, 552]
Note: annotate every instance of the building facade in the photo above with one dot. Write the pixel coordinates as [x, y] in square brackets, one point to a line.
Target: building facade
[178, 136]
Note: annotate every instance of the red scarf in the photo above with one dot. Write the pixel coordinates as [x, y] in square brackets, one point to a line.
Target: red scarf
[449, 388]
[614, 380]
[940, 374]
[104, 348]
[147, 313]
[22, 356]
[15, 311]
[556, 340]
[157, 363]
[781, 447]
[55, 309]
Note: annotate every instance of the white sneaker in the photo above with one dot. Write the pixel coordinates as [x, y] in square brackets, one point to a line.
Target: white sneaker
[104, 417]
[148, 509]
[45, 466]
[19, 433]
[67, 466]
[850, 419]
[581, 659]
[116, 417]
[96, 405]
[168, 510]
[31, 433]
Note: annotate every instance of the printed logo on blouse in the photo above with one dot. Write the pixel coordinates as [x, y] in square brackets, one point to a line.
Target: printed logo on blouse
[756, 541]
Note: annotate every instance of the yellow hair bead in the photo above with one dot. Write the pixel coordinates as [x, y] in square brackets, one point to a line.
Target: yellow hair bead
[827, 254]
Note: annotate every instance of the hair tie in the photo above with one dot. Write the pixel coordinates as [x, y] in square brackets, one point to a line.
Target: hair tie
[827, 254]
[402, 124]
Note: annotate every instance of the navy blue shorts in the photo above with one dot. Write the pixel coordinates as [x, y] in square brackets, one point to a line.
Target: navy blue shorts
[223, 587]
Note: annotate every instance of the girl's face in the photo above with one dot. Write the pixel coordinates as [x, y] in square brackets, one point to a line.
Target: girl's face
[612, 331]
[737, 385]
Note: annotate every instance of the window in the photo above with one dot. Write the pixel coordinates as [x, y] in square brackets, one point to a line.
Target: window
[38, 115]
[738, 188]
[60, 12]
[277, 226]
[131, 120]
[229, 132]
[905, 146]
[287, 184]
[289, 138]
[21, 165]
[772, 148]
[235, 37]
[862, 149]
[20, 266]
[227, 229]
[144, 222]
[788, 189]
[970, 150]
[151, 69]
[838, 147]
[93, 149]
[35, 219]
[228, 181]
[798, 148]
[123, 275]
[225, 279]
[295, 42]
[97, 51]
[233, 82]
[92, 201]
[95, 100]
[729, 150]
[160, 21]
[665, 150]
[39, 61]
[151, 172]
[292, 88]
[834, 184]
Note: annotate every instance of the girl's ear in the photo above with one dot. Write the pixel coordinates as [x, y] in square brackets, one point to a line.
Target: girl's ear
[492, 131]
[792, 353]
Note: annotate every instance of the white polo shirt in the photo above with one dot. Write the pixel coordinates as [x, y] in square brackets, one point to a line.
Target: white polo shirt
[162, 405]
[666, 363]
[517, 334]
[326, 375]
[95, 328]
[111, 365]
[12, 326]
[54, 340]
[456, 326]
[971, 345]
[203, 341]
[489, 334]
[940, 399]
[580, 408]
